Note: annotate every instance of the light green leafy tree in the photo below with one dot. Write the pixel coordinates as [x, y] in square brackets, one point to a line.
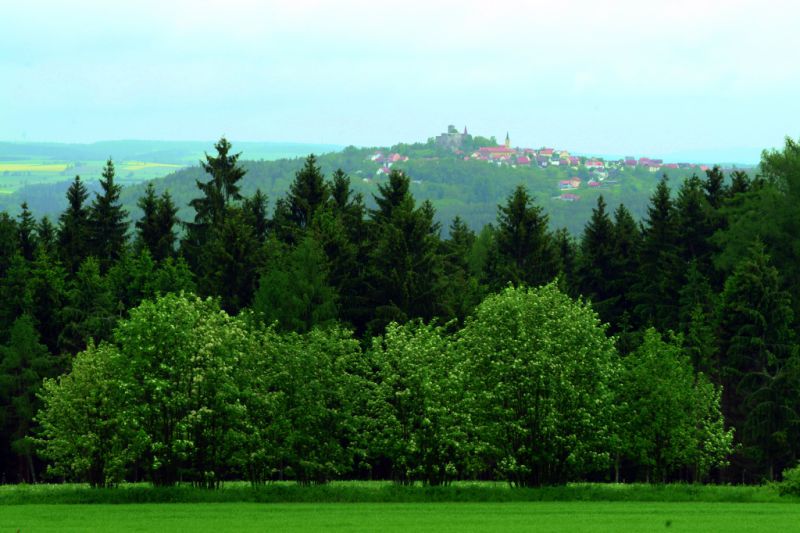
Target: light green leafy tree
[669, 416]
[87, 428]
[181, 352]
[538, 381]
[419, 426]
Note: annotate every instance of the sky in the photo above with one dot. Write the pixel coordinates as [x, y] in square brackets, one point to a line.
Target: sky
[685, 78]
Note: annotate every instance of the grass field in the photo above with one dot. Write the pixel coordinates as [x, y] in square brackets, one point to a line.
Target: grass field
[440, 517]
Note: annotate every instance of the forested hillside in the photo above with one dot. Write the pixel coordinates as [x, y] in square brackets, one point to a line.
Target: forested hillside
[333, 334]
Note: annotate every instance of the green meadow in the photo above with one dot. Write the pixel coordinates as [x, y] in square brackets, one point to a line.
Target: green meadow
[440, 517]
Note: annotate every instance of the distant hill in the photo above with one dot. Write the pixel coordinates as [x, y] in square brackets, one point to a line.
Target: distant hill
[171, 152]
[469, 188]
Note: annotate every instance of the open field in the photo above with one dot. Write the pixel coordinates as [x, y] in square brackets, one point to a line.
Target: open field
[13, 168]
[441, 517]
[18, 174]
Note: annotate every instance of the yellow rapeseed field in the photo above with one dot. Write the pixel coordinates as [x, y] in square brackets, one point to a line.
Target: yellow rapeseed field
[32, 167]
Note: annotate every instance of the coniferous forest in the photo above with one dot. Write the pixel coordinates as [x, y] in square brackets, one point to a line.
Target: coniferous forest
[311, 338]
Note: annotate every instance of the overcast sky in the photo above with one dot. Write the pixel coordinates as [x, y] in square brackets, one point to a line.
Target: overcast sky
[628, 77]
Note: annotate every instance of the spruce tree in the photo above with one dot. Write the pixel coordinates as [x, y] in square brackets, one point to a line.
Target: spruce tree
[696, 223]
[567, 252]
[307, 193]
[714, 187]
[27, 232]
[655, 292]
[256, 209]
[230, 262]
[596, 263]
[523, 251]
[462, 292]
[625, 257]
[156, 229]
[405, 267]
[222, 188]
[211, 209]
[74, 229]
[89, 311]
[107, 220]
[24, 363]
[46, 236]
[757, 355]
[390, 196]
[147, 225]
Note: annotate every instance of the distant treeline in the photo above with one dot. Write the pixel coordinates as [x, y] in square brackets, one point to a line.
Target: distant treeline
[342, 341]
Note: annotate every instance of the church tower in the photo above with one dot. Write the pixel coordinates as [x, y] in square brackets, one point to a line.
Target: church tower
[508, 141]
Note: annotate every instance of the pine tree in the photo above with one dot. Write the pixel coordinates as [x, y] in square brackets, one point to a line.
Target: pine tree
[156, 229]
[223, 186]
[596, 263]
[567, 252]
[757, 353]
[462, 292]
[655, 292]
[46, 236]
[625, 257]
[256, 209]
[212, 208]
[523, 252]
[47, 288]
[166, 221]
[714, 187]
[107, 221]
[230, 262]
[295, 291]
[89, 311]
[405, 267]
[74, 229]
[740, 183]
[27, 232]
[24, 363]
[695, 224]
[390, 196]
[147, 225]
[307, 193]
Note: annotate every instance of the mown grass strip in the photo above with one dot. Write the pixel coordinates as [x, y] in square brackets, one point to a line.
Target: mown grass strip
[606, 517]
[384, 492]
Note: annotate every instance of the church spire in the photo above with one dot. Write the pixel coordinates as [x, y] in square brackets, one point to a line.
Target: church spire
[508, 141]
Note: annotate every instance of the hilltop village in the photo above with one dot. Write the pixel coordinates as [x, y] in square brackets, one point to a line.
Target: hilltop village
[591, 172]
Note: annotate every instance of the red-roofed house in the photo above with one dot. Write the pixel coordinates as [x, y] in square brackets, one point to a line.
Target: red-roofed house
[565, 185]
[496, 152]
[594, 163]
[547, 152]
[523, 160]
[594, 183]
[569, 197]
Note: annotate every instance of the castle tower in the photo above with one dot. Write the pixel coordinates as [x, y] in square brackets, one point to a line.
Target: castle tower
[508, 141]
